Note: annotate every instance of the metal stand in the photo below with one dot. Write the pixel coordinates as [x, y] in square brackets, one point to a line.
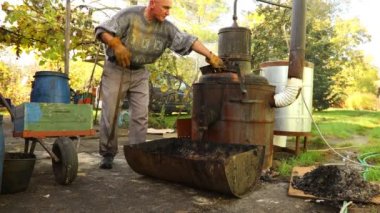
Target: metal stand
[296, 151]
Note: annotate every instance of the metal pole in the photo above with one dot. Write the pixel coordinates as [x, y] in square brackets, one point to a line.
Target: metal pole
[234, 17]
[297, 39]
[67, 37]
[275, 4]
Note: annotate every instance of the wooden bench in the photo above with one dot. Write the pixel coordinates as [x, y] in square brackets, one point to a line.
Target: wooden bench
[305, 136]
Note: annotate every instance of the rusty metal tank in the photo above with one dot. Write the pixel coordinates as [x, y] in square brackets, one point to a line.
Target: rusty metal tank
[226, 110]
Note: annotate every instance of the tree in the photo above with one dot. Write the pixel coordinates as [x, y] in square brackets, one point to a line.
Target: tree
[197, 16]
[39, 25]
[270, 28]
[14, 84]
[331, 45]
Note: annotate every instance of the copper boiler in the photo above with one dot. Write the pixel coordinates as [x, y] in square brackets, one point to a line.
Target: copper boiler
[234, 106]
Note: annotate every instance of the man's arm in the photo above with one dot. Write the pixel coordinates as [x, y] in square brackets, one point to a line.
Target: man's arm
[201, 49]
[211, 58]
[106, 37]
[122, 54]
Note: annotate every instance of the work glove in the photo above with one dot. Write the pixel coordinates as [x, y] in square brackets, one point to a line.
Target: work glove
[215, 61]
[122, 54]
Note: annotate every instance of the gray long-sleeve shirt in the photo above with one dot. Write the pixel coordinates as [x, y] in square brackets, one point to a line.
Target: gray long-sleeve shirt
[146, 40]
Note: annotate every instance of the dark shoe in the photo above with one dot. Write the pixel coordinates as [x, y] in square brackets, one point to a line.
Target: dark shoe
[106, 162]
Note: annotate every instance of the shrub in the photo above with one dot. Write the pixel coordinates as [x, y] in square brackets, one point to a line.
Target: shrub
[361, 101]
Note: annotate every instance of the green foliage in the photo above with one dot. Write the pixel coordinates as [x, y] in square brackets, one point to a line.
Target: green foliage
[197, 16]
[161, 120]
[80, 74]
[15, 84]
[270, 41]
[158, 121]
[331, 44]
[39, 25]
[361, 101]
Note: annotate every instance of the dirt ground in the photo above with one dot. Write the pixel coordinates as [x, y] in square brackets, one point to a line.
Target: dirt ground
[123, 190]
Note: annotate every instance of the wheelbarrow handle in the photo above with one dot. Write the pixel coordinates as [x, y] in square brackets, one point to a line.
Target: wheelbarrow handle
[5, 103]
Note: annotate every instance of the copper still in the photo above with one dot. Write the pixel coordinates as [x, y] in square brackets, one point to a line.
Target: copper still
[232, 105]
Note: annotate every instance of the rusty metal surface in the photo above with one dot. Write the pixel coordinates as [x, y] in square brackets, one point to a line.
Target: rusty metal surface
[222, 114]
[234, 44]
[183, 126]
[297, 39]
[226, 168]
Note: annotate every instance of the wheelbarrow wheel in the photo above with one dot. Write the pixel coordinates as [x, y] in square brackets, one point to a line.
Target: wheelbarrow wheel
[66, 169]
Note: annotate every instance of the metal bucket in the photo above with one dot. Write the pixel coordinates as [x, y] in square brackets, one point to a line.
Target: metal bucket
[50, 87]
[226, 168]
[18, 169]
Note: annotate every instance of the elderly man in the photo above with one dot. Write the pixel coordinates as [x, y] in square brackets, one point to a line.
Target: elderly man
[136, 36]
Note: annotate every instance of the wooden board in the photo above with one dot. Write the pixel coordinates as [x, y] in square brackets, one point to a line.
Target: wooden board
[300, 171]
[52, 117]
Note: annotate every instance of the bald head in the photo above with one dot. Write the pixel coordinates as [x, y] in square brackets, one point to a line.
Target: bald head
[158, 9]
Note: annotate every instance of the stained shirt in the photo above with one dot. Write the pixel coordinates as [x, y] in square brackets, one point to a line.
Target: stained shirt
[145, 40]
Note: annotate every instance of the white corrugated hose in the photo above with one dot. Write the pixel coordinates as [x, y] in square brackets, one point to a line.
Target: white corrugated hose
[290, 93]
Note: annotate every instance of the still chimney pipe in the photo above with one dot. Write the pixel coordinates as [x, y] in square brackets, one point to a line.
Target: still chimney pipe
[297, 39]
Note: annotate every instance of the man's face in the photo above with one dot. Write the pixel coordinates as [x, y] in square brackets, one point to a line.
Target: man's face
[161, 9]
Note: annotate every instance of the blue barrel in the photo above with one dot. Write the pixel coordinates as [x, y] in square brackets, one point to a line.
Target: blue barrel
[2, 147]
[50, 87]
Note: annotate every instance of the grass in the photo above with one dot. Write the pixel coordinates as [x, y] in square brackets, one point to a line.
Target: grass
[159, 120]
[305, 159]
[341, 125]
[344, 123]
[373, 153]
[373, 174]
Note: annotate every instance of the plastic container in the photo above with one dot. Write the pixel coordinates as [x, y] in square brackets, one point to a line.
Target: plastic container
[50, 87]
[295, 117]
[17, 171]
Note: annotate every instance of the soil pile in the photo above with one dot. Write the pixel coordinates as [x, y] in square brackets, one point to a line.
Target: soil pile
[336, 183]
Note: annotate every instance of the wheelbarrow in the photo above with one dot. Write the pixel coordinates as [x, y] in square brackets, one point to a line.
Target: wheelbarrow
[231, 169]
[37, 121]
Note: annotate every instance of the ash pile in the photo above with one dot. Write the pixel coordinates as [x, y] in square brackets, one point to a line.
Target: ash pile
[333, 182]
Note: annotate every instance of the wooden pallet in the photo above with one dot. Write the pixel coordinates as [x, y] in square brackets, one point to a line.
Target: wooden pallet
[300, 171]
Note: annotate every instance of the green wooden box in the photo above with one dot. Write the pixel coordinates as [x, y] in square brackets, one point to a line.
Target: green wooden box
[56, 117]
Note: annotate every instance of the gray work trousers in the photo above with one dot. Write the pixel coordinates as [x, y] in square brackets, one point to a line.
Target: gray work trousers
[135, 87]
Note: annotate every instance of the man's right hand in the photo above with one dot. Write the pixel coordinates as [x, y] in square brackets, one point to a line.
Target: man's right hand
[215, 61]
[122, 54]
